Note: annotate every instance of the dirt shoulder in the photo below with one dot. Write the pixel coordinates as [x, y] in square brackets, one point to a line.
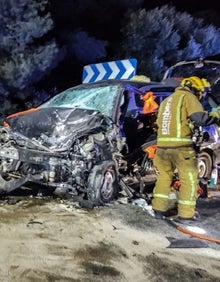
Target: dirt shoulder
[56, 240]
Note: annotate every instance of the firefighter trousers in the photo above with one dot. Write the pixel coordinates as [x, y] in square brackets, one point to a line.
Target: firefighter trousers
[166, 161]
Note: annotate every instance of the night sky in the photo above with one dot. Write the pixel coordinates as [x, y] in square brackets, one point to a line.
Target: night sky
[187, 5]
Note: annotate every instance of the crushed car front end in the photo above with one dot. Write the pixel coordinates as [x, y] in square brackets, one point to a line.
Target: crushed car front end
[64, 143]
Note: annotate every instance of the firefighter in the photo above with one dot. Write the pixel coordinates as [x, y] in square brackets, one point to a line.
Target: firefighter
[176, 116]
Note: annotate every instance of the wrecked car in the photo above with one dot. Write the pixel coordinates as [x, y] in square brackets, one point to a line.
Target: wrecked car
[92, 140]
[76, 142]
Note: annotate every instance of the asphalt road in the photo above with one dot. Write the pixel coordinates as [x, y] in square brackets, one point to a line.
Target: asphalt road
[206, 231]
[136, 214]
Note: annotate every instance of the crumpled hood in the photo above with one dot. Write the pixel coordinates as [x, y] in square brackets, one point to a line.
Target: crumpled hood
[57, 128]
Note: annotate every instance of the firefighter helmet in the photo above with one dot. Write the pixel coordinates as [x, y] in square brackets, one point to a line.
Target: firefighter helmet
[198, 86]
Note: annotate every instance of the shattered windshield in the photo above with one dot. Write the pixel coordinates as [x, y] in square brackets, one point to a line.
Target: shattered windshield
[210, 71]
[101, 98]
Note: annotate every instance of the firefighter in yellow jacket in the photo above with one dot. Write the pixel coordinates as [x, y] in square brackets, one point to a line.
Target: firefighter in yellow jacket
[176, 115]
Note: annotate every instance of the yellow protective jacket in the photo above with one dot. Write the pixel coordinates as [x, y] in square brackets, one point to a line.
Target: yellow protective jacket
[175, 114]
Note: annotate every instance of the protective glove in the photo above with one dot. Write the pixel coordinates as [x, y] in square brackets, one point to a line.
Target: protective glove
[215, 112]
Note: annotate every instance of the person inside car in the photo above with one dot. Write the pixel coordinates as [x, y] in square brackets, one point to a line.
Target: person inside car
[177, 115]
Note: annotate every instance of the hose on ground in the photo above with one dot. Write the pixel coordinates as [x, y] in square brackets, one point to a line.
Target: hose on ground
[193, 234]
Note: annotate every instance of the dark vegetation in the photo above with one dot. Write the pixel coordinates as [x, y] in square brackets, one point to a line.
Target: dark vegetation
[45, 44]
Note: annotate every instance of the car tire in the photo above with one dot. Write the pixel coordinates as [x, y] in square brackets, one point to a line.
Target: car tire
[103, 184]
[205, 164]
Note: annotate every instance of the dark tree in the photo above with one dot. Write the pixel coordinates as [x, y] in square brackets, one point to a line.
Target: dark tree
[27, 51]
[163, 36]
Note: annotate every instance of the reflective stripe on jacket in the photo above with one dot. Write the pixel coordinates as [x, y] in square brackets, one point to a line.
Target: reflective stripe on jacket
[173, 118]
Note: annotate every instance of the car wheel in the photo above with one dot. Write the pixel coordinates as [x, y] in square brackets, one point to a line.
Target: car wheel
[103, 183]
[205, 164]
